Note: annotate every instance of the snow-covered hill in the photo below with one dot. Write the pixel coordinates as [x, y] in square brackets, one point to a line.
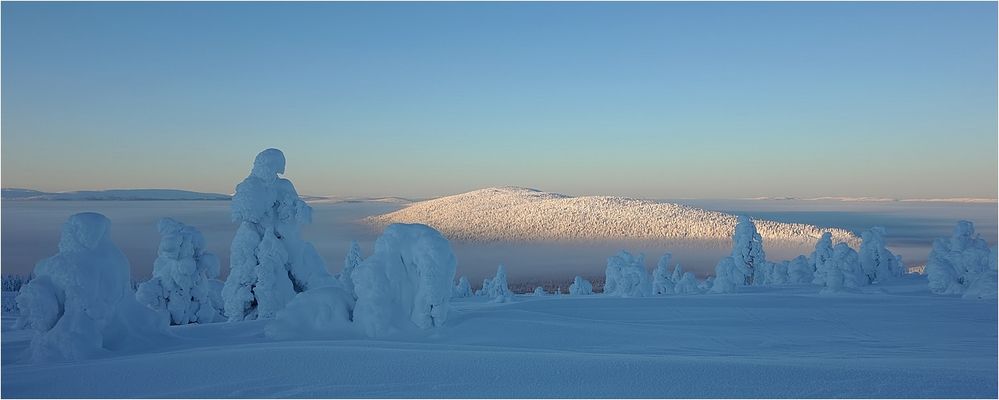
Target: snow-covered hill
[113, 194]
[520, 214]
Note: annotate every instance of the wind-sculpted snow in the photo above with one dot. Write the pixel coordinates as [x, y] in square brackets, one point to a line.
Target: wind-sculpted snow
[518, 214]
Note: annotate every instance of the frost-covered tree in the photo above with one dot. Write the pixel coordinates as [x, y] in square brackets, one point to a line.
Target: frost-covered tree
[727, 277]
[960, 260]
[985, 286]
[580, 286]
[184, 287]
[463, 288]
[80, 303]
[800, 271]
[540, 291]
[626, 276]
[269, 261]
[777, 273]
[747, 252]
[406, 283]
[687, 285]
[823, 252]
[842, 271]
[496, 288]
[350, 261]
[662, 282]
[879, 264]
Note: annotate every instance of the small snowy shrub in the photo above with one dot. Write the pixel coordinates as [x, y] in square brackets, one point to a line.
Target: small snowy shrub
[580, 287]
[688, 284]
[80, 303]
[406, 283]
[878, 263]
[496, 288]
[269, 262]
[626, 276]
[800, 271]
[540, 291]
[184, 285]
[958, 262]
[727, 277]
[463, 288]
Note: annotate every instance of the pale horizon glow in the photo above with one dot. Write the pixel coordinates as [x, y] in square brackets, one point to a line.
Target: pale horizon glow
[420, 100]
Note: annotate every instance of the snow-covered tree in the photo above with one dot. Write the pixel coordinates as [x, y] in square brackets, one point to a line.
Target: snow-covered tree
[184, 287]
[540, 291]
[842, 271]
[626, 276]
[777, 273]
[269, 261]
[496, 288]
[879, 264]
[800, 271]
[727, 277]
[985, 286]
[407, 282]
[662, 282]
[580, 286]
[687, 285]
[955, 263]
[80, 303]
[823, 252]
[350, 261]
[747, 252]
[463, 288]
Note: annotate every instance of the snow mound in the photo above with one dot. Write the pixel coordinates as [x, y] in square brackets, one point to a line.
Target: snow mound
[184, 285]
[406, 283]
[519, 214]
[320, 313]
[80, 304]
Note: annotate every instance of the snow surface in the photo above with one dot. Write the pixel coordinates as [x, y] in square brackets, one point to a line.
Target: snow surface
[761, 342]
[519, 214]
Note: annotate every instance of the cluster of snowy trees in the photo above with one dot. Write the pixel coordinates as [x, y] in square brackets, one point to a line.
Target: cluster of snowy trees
[81, 304]
[963, 264]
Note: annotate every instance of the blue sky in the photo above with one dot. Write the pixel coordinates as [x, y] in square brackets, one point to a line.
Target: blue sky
[660, 100]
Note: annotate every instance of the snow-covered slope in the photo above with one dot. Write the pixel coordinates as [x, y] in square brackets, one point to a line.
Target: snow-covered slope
[520, 214]
[113, 194]
[764, 343]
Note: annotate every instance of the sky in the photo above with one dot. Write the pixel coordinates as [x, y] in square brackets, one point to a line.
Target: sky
[658, 100]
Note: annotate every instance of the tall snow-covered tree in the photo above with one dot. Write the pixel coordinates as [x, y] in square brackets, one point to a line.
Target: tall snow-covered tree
[747, 252]
[496, 288]
[626, 276]
[879, 264]
[823, 252]
[184, 286]
[960, 260]
[662, 282]
[350, 261]
[269, 261]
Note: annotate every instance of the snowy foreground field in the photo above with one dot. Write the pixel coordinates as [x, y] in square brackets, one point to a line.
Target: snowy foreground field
[897, 340]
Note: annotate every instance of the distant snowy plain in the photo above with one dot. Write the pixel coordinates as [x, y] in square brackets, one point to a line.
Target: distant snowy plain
[896, 341]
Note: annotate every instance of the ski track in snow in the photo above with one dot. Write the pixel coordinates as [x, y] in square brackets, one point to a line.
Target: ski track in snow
[763, 342]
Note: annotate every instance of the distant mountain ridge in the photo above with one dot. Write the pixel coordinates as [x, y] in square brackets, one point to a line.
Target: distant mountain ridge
[521, 214]
[113, 194]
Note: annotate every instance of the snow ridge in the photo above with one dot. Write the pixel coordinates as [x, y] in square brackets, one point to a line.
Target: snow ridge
[515, 214]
